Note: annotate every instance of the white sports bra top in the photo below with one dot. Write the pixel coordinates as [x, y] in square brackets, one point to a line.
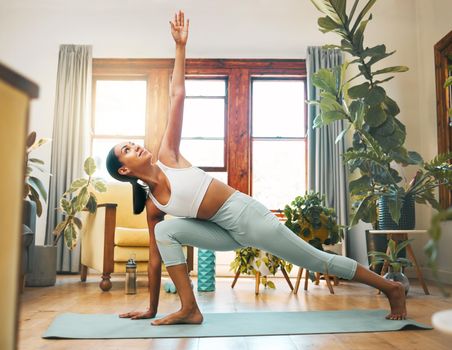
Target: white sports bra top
[188, 187]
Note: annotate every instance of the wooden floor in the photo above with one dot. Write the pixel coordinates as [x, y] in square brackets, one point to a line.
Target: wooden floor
[40, 305]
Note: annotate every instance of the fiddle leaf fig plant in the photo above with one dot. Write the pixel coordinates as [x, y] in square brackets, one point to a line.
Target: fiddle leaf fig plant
[377, 152]
[80, 196]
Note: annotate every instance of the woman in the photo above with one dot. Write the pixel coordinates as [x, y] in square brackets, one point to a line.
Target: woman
[213, 215]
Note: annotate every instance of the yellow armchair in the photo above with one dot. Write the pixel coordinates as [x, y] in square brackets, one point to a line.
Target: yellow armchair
[114, 234]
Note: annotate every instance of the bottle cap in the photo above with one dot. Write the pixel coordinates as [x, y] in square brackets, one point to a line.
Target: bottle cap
[131, 262]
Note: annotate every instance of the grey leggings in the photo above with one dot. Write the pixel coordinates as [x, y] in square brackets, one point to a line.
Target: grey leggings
[244, 222]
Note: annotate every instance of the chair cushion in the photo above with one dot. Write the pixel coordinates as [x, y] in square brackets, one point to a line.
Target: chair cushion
[131, 237]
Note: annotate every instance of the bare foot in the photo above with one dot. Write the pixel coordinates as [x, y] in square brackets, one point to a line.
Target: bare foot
[192, 316]
[396, 297]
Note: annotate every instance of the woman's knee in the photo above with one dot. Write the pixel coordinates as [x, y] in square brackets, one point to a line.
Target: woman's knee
[163, 232]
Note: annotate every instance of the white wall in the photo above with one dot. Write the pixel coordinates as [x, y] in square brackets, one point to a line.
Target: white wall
[31, 31]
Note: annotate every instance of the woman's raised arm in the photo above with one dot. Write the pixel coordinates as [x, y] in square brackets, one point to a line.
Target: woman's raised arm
[172, 137]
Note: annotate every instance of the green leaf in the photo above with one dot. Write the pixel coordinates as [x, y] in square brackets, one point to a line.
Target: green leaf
[448, 82]
[375, 116]
[77, 222]
[331, 116]
[99, 185]
[359, 91]
[90, 166]
[92, 204]
[327, 24]
[362, 14]
[360, 185]
[391, 106]
[402, 245]
[59, 228]
[326, 8]
[342, 133]
[70, 236]
[352, 12]
[36, 160]
[395, 69]
[376, 96]
[76, 185]
[415, 158]
[324, 79]
[270, 284]
[34, 196]
[66, 206]
[38, 186]
[395, 205]
[359, 34]
[81, 199]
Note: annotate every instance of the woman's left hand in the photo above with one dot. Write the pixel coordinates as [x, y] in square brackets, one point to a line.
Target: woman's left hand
[179, 28]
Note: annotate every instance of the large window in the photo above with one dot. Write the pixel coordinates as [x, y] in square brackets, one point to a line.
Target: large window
[244, 120]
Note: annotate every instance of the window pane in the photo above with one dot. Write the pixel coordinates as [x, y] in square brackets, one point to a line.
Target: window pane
[278, 108]
[203, 118]
[120, 107]
[219, 175]
[101, 147]
[279, 172]
[203, 152]
[205, 87]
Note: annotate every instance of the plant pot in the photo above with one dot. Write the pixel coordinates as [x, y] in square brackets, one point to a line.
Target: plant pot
[262, 268]
[398, 276]
[44, 267]
[407, 215]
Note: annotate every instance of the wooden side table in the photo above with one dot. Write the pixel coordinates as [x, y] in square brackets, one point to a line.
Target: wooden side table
[401, 235]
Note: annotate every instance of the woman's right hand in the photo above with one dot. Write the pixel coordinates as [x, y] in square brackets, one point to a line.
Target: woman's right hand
[138, 315]
[179, 28]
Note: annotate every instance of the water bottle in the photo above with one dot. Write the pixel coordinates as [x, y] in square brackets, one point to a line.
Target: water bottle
[131, 276]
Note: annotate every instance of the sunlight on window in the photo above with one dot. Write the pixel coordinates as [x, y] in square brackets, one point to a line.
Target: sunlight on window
[120, 107]
[203, 153]
[278, 172]
[203, 118]
[278, 108]
[205, 87]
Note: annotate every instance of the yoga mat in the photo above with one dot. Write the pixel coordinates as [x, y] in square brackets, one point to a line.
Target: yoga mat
[108, 326]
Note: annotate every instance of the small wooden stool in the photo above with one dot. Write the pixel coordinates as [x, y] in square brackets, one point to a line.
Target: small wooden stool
[258, 279]
[317, 280]
[402, 235]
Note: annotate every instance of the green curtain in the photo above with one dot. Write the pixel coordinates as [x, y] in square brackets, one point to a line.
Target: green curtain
[326, 171]
[71, 127]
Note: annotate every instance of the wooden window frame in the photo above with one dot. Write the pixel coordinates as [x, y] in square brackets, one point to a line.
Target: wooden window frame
[239, 73]
[444, 125]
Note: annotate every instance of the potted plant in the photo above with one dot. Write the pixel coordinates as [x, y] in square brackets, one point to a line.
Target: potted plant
[395, 262]
[377, 154]
[34, 195]
[79, 196]
[309, 218]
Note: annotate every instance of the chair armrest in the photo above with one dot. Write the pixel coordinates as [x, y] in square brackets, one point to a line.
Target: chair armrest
[97, 238]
